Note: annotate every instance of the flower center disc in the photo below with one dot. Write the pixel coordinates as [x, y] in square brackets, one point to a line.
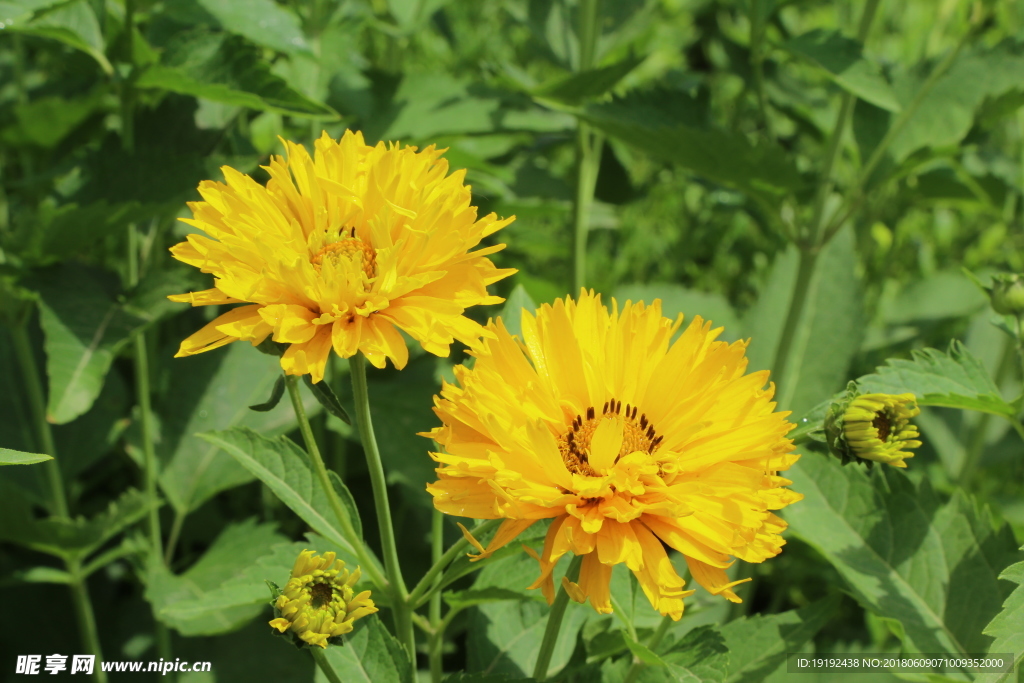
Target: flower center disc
[351, 248]
[638, 434]
[882, 424]
[321, 595]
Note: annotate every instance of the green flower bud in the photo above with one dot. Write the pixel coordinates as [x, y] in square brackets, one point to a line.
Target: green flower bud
[872, 427]
[1007, 294]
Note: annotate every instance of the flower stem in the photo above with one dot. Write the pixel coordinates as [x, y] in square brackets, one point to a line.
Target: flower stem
[655, 640]
[142, 390]
[426, 587]
[436, 639]
[86, 617]
[368, 565]
[588, 150]
[400, 596]
[808, 260]
[547, 645]
[320, 657]
[79, 590]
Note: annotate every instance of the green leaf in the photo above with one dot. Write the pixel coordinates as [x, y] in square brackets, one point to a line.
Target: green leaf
[577, 88]
[229, 70]
[85, 326]
[758, 645]
[282, 466]
[463, 677]
[1008, 626]
[700, 656]
[45, 121]
[828, 333]
[947, 113]
[262, 21]
[326, 397]
[9, 457]
[206, 392]
[676, 299]
[224, 589]
[512, 313]
[669, 128]
[842, 59]
[74, 538]
[72, 23]
[370, 655]
[478, 596]
[952, 380]
[929, 567]
[275, 397]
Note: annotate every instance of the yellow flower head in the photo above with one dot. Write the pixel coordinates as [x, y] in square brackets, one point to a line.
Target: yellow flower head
[624, 441]
[873, 427]
[319, 603]
[341, 249]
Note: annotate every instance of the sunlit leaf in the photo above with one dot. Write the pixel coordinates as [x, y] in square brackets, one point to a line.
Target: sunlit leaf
[1008, 626]
[9, 457]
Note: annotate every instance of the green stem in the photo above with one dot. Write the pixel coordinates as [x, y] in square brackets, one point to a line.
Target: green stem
[86, 617]
[400, 605]
[127, 91]
[37, 401]
[367, 563]
[320, 657]
[653, 643]
[588, 150]
[142, 389]
[172, 537]
[757, 27]
[426, 587]
[547, 645]
[808, 260]
[436, 639]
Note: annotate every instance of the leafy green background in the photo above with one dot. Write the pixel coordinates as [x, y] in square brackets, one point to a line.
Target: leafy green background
[714, 119]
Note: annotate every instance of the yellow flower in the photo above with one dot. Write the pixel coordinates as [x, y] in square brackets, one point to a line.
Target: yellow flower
[875, 427]
[318, 603]
[342, 250]
[624, 441]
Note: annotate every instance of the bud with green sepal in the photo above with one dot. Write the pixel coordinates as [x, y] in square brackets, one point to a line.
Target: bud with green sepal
[872, 427]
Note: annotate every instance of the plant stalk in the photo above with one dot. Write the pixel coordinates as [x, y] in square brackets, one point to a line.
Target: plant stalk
[368, 566]
[85, 616]
[320, 657]
[551, 631]
[400, 597]
[426, 587]
[588, 150]
[437, 637]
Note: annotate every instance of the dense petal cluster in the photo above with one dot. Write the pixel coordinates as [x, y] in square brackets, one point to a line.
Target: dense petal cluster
[626, 441]
[319, 602]
[877, 427]
[342, 249]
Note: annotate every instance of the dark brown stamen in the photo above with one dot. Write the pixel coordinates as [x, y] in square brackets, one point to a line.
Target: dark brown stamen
[882, 424]
[322, 595]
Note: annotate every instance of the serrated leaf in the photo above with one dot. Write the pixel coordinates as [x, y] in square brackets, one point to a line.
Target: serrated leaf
[701, 656]
[84, 326]
[928, 566]
[327, 398]
[577, 88]
[758, 645]
[275, 397]
[1008, 626]
[842, 59]
[9, 457]
[262, 21]
[370, 655]
[952, 380]
[650, 122]
[228, 70]
[224, 589]
[67, 538]
[282, 466]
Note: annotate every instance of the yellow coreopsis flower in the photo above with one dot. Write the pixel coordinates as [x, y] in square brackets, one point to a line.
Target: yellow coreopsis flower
[319, 602]
[342, 249]
[624, 441]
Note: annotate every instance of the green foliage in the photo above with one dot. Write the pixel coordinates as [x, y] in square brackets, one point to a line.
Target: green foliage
[904, 553]
[11, 457]
[1008, 626]
[370, 655]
